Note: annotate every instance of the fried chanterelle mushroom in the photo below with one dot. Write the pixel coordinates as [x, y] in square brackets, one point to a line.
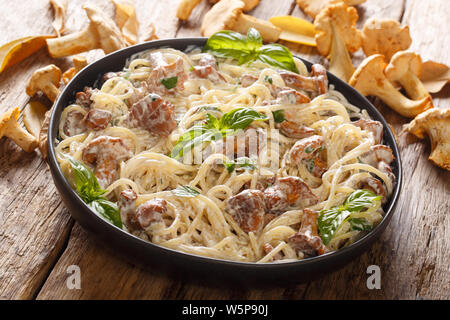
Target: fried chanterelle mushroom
[9, 127]
[436, 124]
[227, 15]
[313, 7]
[337, 36]
[370, 80]
[102, 33]
[384, 36]
[46, 80]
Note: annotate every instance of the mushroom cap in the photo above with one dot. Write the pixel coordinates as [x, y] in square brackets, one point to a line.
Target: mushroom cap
[222, 16]
[343, 18]
[402, 62]
[368, 74]
[108, 34]
[43, 76]
[384, 36]
[435, 123]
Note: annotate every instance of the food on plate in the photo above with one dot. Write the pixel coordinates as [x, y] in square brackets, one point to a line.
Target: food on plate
[59, 8]
[405, 68]
[435, 123]
[9, 127]
[336, 36]
[101, 33]
[127, 21]
[222, 154]
[45, 80]
[79, 63]
[313, 7]
[384, 36]
[370, 80]
[227, 15]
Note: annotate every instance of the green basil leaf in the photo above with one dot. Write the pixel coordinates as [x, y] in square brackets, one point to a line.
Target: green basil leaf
[329, 221]
[89, 189]
[254, 39]
[170, 83]
[242, 162]
[361, 199]
[230, 44]
[215, 129]
[240, 118]
[360, 224]
[212, 122]
[277, 56]
[278, 116]
[195, 136]
[186, 191]
[107, 209]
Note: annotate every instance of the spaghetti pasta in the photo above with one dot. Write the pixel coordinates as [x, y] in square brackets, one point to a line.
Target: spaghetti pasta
[163, 96]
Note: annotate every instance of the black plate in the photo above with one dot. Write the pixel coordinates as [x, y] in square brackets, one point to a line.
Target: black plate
[188, 265]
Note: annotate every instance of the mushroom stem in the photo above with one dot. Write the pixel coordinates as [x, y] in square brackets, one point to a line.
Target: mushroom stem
[51, 91]
[268, 31]
[340, 62]
[20, 136]
[413, 86]
[397, 101]
[72, 44]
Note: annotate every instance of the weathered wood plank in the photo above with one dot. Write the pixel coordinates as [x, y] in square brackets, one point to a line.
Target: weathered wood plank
[412, 253]
[35, 224]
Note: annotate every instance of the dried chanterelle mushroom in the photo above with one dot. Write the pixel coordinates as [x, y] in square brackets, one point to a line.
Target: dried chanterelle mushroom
[337, 36]
[406, 68]
[370, 80]
[9, 127]
[47, 80]
[436, 124]
[102, 33]
[384, 36]
[313, 7]
[227, 15]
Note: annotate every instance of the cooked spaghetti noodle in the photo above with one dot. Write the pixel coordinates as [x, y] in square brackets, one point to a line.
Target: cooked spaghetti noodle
[109, 131]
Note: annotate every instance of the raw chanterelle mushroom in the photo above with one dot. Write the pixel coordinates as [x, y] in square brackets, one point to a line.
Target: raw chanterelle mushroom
[10, 128]
[370, 80]
[313, 7]
[79, 63]
[384, 36]
[337, 36]
[227, 15]
[406, 68]
[436, 124]
[47, 80]
[249, 4]
[185, 8]
[102, 33]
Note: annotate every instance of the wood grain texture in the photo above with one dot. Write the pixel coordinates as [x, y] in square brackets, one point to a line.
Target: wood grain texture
[39, 241]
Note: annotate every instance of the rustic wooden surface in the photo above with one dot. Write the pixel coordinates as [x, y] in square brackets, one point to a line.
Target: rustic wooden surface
[39, 239]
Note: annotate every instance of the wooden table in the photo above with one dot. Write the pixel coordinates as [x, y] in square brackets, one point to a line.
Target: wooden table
[39, 240]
